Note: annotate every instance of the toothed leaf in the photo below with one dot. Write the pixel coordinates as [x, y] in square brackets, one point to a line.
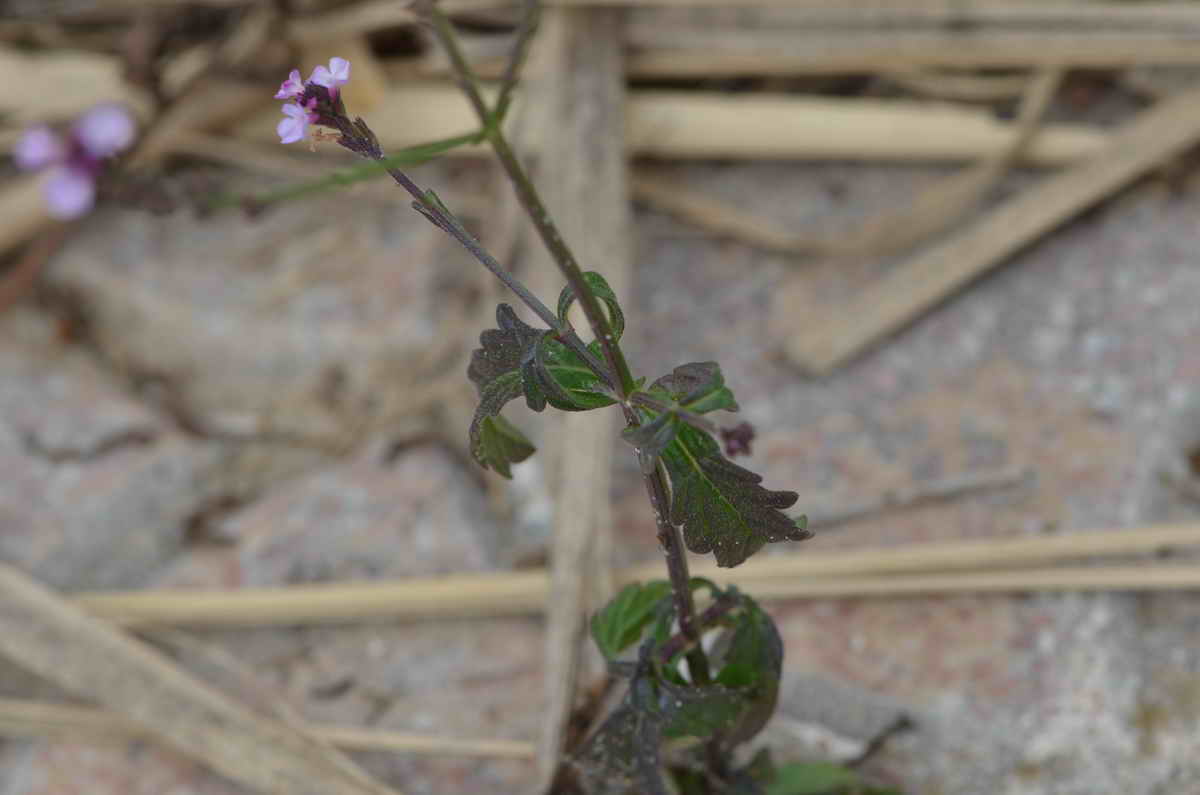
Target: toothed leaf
[502, 348]
[721, 505]
[495, 370]
[623, 755]
[698, 387]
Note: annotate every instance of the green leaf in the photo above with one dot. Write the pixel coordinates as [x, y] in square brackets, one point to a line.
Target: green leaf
[752, 663]
[721, 505]
[691, 711]
[622, 621]
[814, 778]
[599, 286]
[501, 444]
[622, 757]
[495, 370]
[698, 387]
[502, 348]
[653, 435]
[553, 373]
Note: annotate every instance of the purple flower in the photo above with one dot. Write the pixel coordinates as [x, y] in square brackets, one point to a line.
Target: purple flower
[73, 163]
[295, 126]
[37, 148]
[338, 74]
[70, 192]
[292, 87]
[304, 106]
[104, 130]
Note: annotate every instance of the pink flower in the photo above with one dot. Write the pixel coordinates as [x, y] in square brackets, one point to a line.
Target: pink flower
[292, 87]
[74, 162]
[70, 192]
[104, 130]
[304, 107]
[37, 148]
[295, 126]
[338, 74]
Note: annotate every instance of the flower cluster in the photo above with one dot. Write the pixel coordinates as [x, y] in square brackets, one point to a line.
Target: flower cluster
[74, 162]
[301, 106]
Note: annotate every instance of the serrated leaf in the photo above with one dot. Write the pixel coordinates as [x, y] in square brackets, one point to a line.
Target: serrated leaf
[495, 370]
[698, 387]
[502, 348]
[501, 444]
[553, 373]
[721, 505]
[622, 621]
[599, 286]
[653, 435]
[622, 757]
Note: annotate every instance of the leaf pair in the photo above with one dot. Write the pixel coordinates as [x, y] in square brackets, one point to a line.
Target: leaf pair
[517, 359]
[720, 505]
[622, 755]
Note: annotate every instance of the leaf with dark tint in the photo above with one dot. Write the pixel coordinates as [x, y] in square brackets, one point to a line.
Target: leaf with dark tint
[495, 370]
[622, 621]
[721, 505]
[653, 435]
[701, 711]
[752, 664]
[622, 757]
[698, 387]
[553, 373]
[500, 444]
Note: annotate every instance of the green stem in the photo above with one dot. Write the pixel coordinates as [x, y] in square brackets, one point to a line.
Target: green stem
[528, 196]
[655, 480]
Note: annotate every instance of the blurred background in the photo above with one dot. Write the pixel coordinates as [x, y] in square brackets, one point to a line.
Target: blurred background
[944, 252]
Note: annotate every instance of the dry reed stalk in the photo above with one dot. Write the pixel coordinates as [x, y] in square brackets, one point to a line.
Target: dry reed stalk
[579, 93]
[45, 634]
[942, 204]
[22, 211]
[711, 125]
[1099, 578]
[835, 334]
[959, 86]
[59, 85]
[658, 51]
[34, 719]
[525, 593]
[930, 212]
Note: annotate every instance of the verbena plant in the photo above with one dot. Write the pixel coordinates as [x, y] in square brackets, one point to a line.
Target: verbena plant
[687, 706]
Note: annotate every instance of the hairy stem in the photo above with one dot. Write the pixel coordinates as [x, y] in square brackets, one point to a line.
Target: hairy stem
[677, 571]
[358, 138]
[528, 196]
[655, 480]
